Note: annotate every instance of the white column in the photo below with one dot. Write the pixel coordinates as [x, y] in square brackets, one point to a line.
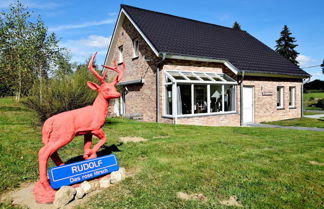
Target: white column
[208, 98]
[192, 99]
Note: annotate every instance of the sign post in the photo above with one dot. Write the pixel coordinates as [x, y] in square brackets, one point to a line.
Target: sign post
[80, 171]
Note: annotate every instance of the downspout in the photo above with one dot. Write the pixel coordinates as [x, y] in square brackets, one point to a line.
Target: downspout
[241, 97]
[158, 87]
[302, 96]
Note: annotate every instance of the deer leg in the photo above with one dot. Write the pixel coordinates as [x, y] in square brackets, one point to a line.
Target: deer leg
[43, 156]
[102, 140]
[56, 158]
[87, 146]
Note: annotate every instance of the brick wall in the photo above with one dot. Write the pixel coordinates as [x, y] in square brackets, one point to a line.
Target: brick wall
[266, 106]
[141, 99]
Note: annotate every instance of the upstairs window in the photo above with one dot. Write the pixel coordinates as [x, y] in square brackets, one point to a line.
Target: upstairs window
[280, 97]
[292, 96]
[120, 54]
[135, 48]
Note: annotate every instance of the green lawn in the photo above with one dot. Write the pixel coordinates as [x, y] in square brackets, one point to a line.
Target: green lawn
[312, 113]
[264, 168]
[304, 122]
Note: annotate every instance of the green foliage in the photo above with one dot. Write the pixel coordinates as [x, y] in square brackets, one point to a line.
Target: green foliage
[70, 92]
[236, 26]
[320, 103]
[28, 53]
[286, 47]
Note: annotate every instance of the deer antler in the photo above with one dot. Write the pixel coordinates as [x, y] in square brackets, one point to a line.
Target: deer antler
[100, 78]
[117, 70]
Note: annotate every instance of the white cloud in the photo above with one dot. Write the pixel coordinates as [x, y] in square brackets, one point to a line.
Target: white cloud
[81, 49]
[81, 25]
[305, 61]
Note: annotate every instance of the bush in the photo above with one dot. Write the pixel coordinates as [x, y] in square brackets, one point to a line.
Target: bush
[320, 103]
[60, 95]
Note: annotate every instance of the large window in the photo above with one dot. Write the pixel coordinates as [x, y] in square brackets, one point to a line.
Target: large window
[292, 96]
[192, 93]
[280, 97]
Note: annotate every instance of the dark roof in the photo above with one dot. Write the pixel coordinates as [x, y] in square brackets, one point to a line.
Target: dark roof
[181, 36]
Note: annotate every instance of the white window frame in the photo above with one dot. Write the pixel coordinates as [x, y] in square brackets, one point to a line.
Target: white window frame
[135, 48]
[281, 97]
[174, 82]
[292, 96]
[120, 54]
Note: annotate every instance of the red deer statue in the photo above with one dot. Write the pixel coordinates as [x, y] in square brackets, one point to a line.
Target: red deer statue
[60, 129]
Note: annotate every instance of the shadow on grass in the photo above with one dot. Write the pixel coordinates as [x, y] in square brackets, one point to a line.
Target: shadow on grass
[105, 150]
[13, 109]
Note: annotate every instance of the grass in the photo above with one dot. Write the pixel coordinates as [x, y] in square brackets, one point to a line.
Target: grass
[303, 122]
[264, 168]
[312, 113]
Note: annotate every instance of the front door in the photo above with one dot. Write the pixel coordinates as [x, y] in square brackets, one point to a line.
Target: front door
[248, 106]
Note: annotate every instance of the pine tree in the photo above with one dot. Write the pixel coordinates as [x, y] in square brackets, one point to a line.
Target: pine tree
[236, 26]
[286, 47]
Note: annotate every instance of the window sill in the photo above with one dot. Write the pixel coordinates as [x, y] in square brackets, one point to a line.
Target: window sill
[292, 107]
[200, 115]
[135, 58]
[280, 108]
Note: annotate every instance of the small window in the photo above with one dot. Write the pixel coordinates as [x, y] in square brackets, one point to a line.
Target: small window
[292, 96]
[280, 97]
[120, 54]
[135, 48]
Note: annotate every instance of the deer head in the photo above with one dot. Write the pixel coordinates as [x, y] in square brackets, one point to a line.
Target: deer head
[107, 90]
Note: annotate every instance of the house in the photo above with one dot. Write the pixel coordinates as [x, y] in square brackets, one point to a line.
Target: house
[184, 71]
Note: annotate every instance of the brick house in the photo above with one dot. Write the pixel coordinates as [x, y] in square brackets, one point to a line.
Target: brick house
[184, 71]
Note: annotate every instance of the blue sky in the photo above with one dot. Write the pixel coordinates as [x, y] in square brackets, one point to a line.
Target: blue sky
[86, 26]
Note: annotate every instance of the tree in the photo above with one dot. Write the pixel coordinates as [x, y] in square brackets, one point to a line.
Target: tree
[28, 53]
[322, 66]
[236, 26]
[286, 47]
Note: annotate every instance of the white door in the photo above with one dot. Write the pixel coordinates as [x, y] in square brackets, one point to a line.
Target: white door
[248, 106]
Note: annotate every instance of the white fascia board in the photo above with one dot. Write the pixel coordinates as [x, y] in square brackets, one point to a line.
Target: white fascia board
[140, 32]
[201, 59]
[118, 24]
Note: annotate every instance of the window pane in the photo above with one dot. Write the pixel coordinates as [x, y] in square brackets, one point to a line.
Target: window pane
[176, 75]
[168, 100]
[292, 96]
[184, 99]
[200, 98]
[203, 76]
[135, 47]
[229, 98]
[120, 58]
[213, 75]
[279, 96]
[215, 98]
[190, 76]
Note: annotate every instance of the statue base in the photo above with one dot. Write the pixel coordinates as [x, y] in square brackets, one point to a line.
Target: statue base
[42, 194]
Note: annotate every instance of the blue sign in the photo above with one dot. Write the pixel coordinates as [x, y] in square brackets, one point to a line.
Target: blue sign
[76, 172]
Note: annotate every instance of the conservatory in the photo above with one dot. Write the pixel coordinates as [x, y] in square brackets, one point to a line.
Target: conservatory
[191, 93]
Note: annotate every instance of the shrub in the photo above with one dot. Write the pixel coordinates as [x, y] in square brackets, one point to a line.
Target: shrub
[320, 103]
[59, 95]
